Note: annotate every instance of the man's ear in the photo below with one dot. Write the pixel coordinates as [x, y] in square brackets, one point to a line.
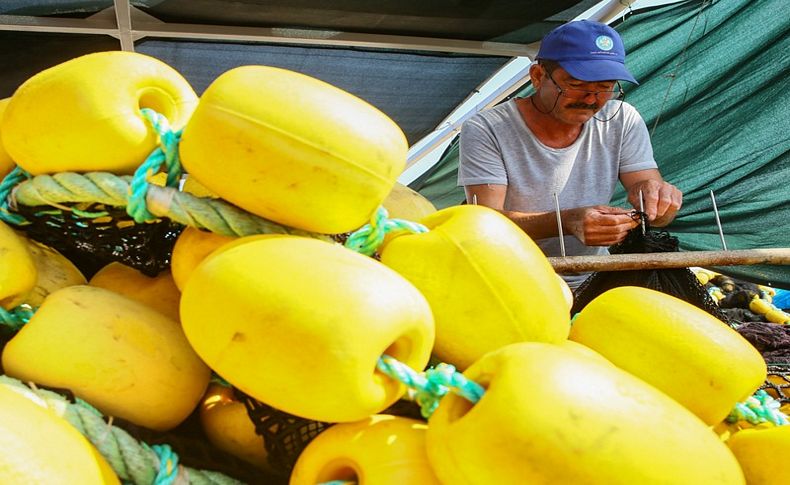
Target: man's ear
[536, 74]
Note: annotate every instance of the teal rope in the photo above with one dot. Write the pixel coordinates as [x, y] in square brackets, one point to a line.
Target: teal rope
[760, 408]
[168, 465]
[431, 386]
[367, 239]
[167, 154]
[10, 181]
[17, 317]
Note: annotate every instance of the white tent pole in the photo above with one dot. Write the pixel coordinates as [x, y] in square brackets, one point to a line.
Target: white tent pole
[123, 17]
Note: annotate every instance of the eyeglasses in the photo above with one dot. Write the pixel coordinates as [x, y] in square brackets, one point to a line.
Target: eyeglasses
[615, 93]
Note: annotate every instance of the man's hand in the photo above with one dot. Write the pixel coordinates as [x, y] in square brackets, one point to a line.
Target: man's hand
[599, 225]
[662, 200]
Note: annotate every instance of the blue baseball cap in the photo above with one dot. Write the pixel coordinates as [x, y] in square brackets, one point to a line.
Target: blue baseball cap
[587, 50]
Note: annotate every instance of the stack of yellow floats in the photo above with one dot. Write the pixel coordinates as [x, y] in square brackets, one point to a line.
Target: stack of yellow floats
[627, 394]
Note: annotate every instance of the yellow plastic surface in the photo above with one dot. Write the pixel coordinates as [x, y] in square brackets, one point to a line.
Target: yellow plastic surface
[762, 454]
[158, 292]
[299, 324]
[84, 114]
[552, 416]
[380, 450]
[121, 356]
[18, 272]
[192, 247]
[488, 283]
[41, 448]
[682, 350]
[293, 149]
[53, 272]
[6, 162]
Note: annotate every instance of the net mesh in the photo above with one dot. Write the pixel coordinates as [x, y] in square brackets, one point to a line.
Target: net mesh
[93, 242]
[678, 282]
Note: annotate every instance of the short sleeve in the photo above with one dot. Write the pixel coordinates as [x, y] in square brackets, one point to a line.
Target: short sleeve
[636, 152]
[480, 157]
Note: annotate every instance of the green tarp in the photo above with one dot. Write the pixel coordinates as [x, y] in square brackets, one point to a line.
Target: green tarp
[714, 94]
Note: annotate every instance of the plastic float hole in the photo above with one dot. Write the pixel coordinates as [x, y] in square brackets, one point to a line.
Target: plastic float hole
[158, 100]
[458, 406]
[338, 471]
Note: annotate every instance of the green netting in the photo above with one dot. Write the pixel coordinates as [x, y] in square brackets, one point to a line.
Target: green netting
[714, 82]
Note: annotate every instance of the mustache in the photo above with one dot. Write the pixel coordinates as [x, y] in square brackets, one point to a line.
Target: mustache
[584, 106]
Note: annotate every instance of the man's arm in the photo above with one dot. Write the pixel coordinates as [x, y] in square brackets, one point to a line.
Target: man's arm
[662, 200]
[593, 226]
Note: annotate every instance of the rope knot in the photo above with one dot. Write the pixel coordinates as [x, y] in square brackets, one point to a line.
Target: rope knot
[367, 239]
[757, 409]
[166, 153]
[7, 185]
[17, 317]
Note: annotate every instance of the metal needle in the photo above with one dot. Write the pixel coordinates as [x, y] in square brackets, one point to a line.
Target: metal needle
[559, 224]
[718, 221]
[642, 210]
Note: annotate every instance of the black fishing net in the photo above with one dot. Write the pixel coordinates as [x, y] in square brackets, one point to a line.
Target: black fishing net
[678, 282]
[285, 436]
[93, 242]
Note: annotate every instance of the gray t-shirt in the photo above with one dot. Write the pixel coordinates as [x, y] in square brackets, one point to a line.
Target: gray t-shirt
[497, 147]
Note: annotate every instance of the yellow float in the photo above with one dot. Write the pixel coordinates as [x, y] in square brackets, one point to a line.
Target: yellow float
[300, 324]
[84, 115]
[18, 272]
[761, 453]
[192, 247]
[550, 415]
[293, 149]
[488, 283]
[158, 292]
[6, 162]
[41, 447]
[124, 358]
[381, 450]
[682, 350]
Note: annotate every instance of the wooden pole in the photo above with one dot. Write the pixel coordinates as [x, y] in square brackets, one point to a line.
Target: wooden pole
[625, 262]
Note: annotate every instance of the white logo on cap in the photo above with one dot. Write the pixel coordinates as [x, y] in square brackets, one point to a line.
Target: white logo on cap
[604, 42]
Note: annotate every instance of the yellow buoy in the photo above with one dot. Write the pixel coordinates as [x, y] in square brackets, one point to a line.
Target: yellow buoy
[682, 350]
[18, 272]
[229, 427]
[84, 115]
[550, 415]
[6, 162]
[124, 358]
[762, 453]
[405, 203]
[381, 449]
[294, 149]
[40, 447]
[53, 272]
[488, 283]
[158, 292]
[303, 323]
[192, 247]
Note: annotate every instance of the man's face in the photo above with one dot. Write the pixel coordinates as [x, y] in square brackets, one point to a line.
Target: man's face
[573, 101]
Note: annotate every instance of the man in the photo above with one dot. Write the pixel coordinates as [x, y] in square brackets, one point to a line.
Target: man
[574, 137]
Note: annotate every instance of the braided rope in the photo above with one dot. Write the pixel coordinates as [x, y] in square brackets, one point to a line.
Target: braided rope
[7, 185]
[431, 385]
[757, 409]
[105, 188]
[17, 317]
[134, 462]
[167, 154]
[367, 239]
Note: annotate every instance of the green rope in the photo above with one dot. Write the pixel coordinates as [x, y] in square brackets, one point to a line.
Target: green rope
[367, 239]
[167, 154]
[757, 409]
[134, 462]
[431, 385]
[8, 183]
[17, 317]
[214, 215]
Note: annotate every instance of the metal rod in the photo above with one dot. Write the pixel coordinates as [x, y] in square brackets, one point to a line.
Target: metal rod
[625, 262]
[474, 199]
[718, 221]
[642, 211]
[559, 224]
